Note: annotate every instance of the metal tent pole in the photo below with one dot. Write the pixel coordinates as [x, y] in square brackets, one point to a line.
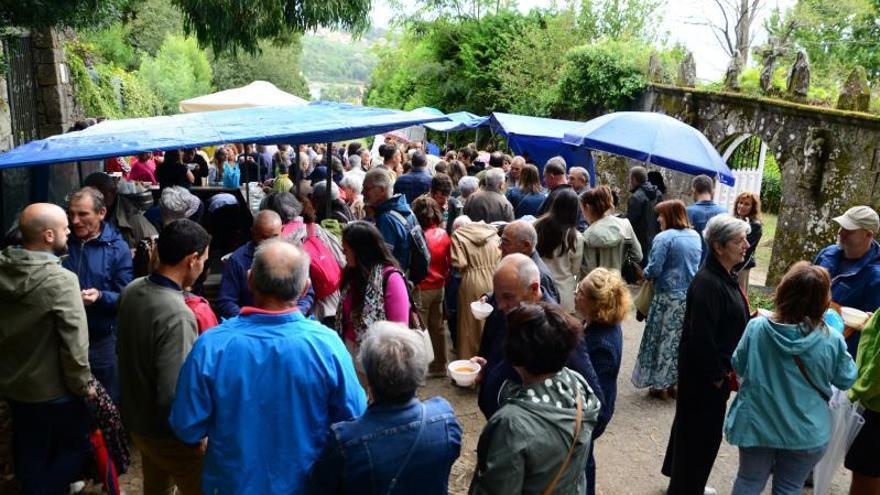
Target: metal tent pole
[328, 192]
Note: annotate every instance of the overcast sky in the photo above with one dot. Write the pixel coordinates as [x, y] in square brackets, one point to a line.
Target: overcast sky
[679, 16]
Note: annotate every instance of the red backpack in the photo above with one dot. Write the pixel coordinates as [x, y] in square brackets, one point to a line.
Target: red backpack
[205, 317]
[325, 272]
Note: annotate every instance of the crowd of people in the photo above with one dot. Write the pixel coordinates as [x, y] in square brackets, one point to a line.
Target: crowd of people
[301, 376]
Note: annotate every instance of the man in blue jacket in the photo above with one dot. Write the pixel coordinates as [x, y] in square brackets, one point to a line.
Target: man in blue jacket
[264, 387]
[100, 257]
[392, 214]
[703, 208]
[854, 264]
[415, 182]
[234, 291]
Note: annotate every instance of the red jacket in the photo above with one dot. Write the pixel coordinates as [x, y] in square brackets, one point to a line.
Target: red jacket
[439, 245]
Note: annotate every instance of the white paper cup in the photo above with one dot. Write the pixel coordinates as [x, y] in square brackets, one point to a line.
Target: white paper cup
[481, 310]
[463, 372]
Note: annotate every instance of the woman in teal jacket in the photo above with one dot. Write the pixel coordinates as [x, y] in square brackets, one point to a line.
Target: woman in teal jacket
[787, 364]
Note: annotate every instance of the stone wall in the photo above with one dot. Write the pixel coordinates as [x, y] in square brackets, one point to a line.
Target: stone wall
[829, 159]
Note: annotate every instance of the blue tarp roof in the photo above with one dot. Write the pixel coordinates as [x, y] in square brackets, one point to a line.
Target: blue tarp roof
[542, 139]
[653, 138]
[460, 121]
[318, 122]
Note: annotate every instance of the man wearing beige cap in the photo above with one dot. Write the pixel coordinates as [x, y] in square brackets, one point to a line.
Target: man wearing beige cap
[854, 263]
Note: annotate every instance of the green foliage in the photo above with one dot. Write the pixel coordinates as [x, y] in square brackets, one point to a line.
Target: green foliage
[621, 19]
[761, 300]
[278, 65]
[226, 25]
[110, 45]
[771, 185]
[106, 90]
[346, 93]
[151, 22]
[331, 61]
[71, 13]
[179, 71]
[602, 77]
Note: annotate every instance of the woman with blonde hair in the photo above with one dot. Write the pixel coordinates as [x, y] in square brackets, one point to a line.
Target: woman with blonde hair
[602, 298]
[748, 208]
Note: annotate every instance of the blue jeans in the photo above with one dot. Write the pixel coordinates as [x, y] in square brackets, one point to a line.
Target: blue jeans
[49, 444]
[789, 468]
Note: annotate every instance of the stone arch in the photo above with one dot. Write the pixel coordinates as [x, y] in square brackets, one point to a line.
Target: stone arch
[829, 159]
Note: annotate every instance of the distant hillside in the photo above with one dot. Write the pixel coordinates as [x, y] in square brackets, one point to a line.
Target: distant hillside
[334, 58]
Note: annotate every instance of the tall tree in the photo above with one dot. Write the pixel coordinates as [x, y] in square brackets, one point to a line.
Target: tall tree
[734, 29]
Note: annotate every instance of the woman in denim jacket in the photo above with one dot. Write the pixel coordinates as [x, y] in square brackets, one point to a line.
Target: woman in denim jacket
[401, 444]
[672, 264]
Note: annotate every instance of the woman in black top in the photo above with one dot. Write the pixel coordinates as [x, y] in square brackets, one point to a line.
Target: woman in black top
[715, 318]
[748, 208]
[174, 173]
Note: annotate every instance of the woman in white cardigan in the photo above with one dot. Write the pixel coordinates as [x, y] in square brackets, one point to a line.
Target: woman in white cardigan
[561, 246]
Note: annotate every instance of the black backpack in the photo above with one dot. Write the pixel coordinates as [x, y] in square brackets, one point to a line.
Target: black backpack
[419, 254]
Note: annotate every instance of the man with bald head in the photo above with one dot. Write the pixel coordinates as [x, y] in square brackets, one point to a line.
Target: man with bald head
[264, 387]
[516, 281]
[234, 291]
[44, 354]
[520, 237]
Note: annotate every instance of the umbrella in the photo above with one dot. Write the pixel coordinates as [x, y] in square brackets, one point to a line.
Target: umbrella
[652, 138]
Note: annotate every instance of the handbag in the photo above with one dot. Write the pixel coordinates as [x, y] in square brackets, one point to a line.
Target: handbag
[642, 301]
[415, 318]
[631, 271]
[577, 432]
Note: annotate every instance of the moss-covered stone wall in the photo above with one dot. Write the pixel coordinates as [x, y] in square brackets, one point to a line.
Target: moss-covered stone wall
[829, 159]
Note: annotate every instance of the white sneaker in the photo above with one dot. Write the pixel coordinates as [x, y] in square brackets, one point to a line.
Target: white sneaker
[710, 491]
[77, 487]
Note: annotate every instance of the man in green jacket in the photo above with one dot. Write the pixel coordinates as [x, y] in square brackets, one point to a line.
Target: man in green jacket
[44, 354]
[862, 458]
[156, 332]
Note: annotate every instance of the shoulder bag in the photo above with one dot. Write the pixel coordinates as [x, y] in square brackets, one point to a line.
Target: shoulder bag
[577, 432]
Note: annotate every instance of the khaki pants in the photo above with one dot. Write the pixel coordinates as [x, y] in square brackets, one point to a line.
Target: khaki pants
[168, 462]
[431, 310]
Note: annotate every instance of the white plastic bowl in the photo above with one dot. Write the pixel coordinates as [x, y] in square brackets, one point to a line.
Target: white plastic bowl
[462, 378]
[481, 310]
[853, 317]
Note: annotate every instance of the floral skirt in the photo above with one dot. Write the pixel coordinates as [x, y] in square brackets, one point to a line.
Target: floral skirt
[657, 363]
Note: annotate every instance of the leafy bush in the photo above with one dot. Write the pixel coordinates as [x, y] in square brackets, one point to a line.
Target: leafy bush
[111, 45]
[761, 300]
[179, 71]
[602, 77]
[106, 90]
[771, 185]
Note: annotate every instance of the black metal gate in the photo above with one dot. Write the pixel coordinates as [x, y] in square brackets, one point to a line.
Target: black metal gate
[21, 85]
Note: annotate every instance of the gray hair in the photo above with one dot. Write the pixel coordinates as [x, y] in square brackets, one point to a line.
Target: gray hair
[89, 192]
[461, 220]
[639, 174]
[557, 160]
[174, 203]
[381, 178]
[354, 161]
[280, 269]
[724, 228]
[352, 182]
[523, 231]
[494, 179]
[320, 189]
[393, 360]
[467, 185]
[527, 271]
[581, 171]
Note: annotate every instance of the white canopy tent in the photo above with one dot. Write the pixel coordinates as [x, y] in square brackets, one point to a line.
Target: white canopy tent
[255, 94]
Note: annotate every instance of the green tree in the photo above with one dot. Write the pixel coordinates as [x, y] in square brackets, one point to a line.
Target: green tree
[179, 71]
[277, 65]
[226, 25]
[621, 19]
[150, 22]
[72, 13]
[602, 77]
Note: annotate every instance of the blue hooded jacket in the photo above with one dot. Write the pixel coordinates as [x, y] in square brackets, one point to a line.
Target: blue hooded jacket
[776, 407]
[103, 263]
[858, 287]
[395, 233]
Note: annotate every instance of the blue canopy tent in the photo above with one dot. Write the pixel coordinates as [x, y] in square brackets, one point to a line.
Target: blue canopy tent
[652, 138]
[317, 122]
[541, 139]
[460, 121]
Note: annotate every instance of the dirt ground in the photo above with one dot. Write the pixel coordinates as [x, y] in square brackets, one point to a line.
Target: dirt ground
[628, 455]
